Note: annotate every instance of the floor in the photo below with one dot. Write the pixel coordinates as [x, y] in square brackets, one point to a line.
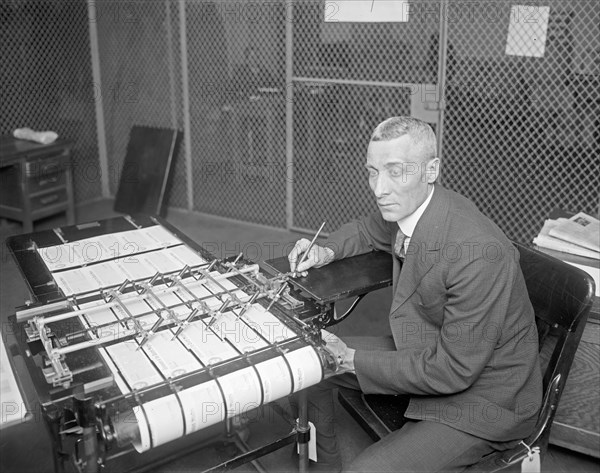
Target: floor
[223, 238]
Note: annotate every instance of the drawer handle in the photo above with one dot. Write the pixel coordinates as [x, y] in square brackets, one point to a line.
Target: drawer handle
[50, 180]
[49, 199]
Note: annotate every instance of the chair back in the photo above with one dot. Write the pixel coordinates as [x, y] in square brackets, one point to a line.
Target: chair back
[561, 296]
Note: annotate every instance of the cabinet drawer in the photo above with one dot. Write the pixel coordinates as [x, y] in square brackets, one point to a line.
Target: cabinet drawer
[48, 200]
[46, 181]
[47, 165]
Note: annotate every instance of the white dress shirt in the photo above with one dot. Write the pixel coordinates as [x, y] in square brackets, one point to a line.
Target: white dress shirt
[407, 224]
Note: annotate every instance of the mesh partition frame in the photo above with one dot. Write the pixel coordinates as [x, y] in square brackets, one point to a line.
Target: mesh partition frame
[47, 81]
[141, 79]
[236, 61]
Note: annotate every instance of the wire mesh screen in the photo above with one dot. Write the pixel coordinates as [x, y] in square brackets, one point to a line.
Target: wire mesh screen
[140, 78]
[332, 128]
[47, 80]
[348, 77]
[521, 134]
[236, 60]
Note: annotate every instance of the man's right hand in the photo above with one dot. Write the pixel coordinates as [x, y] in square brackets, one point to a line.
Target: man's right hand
[317, 257]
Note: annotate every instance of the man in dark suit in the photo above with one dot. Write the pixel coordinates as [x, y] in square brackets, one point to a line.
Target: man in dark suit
[463, 344]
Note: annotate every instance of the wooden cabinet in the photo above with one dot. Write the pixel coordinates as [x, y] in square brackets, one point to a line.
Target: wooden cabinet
[35, 180]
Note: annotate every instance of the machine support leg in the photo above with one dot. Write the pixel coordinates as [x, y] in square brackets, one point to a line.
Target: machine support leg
[88, 450]
[303, 432]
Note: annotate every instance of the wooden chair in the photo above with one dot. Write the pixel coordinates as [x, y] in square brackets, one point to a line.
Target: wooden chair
[561, 296]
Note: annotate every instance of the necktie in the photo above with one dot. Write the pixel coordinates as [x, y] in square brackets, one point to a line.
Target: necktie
[399, 245]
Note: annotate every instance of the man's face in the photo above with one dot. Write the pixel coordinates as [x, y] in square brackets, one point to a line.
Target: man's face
[399, 176]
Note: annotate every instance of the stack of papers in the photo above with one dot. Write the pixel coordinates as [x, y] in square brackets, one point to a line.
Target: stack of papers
[578, 235]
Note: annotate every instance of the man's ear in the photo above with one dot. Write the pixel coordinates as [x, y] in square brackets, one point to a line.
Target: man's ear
[432, 170]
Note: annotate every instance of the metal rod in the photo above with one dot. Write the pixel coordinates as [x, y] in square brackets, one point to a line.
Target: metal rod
[154, 328]
[276, 296]
[302, 428]
[184, 324]
[95, 328]
[102, 305]
[99, 108]
[185, 98]
[218, 313]
[442, 63]
[248, 304]
[126, 333]
[289, 115]
[368, 83]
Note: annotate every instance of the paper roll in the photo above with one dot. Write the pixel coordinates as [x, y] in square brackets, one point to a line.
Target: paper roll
[159, 421]
[242, 391]
[275, 378]
[203, 406]
[306, 367]
[170, 417]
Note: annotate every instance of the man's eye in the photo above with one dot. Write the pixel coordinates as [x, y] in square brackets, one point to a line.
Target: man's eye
[372, 172]
[396, 172]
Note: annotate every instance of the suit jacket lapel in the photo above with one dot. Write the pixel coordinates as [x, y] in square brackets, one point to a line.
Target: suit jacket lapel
[424, 248]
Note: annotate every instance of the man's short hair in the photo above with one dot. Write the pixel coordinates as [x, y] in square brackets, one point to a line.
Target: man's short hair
[420, 133]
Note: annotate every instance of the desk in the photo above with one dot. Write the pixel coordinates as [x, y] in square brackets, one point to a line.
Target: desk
[35, 180]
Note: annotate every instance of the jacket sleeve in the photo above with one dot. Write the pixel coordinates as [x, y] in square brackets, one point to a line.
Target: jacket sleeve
[477, 298]
[361, 236]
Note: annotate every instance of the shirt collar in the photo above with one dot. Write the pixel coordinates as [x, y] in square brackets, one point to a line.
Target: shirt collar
[407, 224]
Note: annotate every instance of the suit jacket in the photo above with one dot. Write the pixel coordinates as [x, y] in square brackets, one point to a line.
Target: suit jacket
[462, 323]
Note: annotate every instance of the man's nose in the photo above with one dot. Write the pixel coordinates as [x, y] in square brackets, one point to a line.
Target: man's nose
[380, 186]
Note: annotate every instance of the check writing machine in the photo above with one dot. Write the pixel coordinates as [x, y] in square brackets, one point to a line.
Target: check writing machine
[137, 339]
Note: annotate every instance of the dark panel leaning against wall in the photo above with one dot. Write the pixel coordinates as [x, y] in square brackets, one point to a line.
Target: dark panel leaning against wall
[47, 80]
